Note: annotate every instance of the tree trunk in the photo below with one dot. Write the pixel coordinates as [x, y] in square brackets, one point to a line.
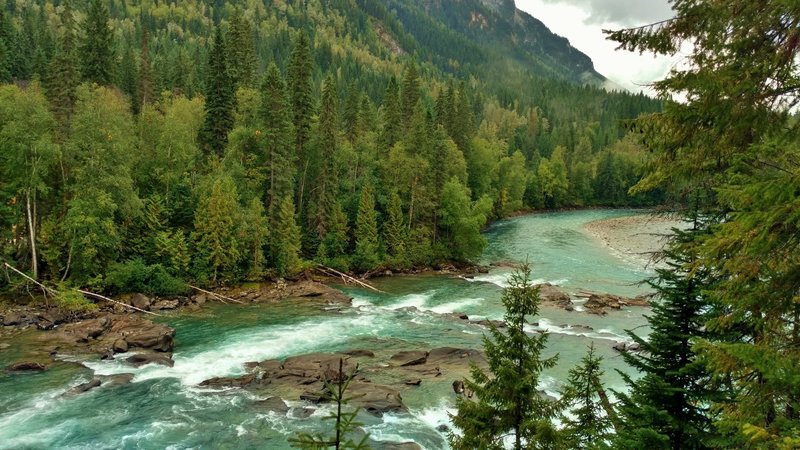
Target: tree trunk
[32, 234]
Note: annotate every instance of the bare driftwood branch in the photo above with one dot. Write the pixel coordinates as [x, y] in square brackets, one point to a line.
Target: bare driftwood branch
[328, 271]
[221, 298]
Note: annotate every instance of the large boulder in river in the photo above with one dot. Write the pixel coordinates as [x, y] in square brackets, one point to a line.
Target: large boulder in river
[307, 290]
[554, 295]
[26, 366]
[409, 358]
[149, 357]
[141, 301]
[142, 333]
[376, 399]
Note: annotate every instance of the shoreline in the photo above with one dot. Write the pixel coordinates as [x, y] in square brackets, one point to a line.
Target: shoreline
[637, 238]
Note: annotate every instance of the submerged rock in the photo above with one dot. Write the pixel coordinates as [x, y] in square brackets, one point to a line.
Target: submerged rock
[554, 295]
[26, 366]
[84, 387]
[274, 404]
[144, 358]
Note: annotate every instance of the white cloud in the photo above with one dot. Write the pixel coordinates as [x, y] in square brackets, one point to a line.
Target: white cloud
[582, 22]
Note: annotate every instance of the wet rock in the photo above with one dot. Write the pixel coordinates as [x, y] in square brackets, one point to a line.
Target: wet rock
[619, 346]
[302, 413]
[275, 404]
[489, 323]
[409, 358]
[200, 299]
[119, 379]
[633, 347]
[311, 397]
[141, 359]
[412, 382]
[120, 346]
[443, 428]
[219, 382]
[166, 304]
[307, 290]
[141, 301]
[460, 316]
[26, 366]
[149, 335]
[554, 295]
[13, 318]
[376, 399]
[360, 353]
[458, 386]
[445, 355]
[84, 387]
[400, 446]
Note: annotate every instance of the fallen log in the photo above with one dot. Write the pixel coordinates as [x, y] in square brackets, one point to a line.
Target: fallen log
[348, 277]
[222, 298]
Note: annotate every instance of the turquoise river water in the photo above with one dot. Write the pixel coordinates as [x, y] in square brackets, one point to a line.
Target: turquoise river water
[164, 408]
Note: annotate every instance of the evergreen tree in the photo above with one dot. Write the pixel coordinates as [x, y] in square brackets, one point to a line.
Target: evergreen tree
[276, 125]
[586, 426]
[366, 256]
[392, 124]
[351, 113]
[253, 234]
[463, 220]
[145, 88]
[508, 401]
[220, 100]
[335, 246]
[63, 73]
[300, 92]
[215, 228]
[668, 406]
[395, 232]
[6, 46]
[285, 239]
[242, 59]
[325, 189]
[97, 48]
[129, 77]
[409, 94]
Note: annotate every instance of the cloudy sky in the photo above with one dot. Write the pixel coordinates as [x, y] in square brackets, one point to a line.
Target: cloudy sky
[582, 22]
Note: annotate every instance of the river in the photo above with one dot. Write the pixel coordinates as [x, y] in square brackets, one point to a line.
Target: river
[164, 408]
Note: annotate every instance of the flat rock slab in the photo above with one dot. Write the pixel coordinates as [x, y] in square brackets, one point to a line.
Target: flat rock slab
[409, 358]
[26, 366]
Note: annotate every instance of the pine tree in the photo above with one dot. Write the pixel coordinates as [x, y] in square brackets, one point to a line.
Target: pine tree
[215, 228]
[325, 189]
[220, 100]
[63, 77]
[276, 125]
[97, 48]
[586, 426]
[242, 58]
[129, 77]
[367, 254]
[392, 124]
[351, 113]
[335, 246]
[253, 234]
[300, 92]
[668, 406]
[145, 87]
[285, 239]
[508, 401]
[395, 232]
[409, 94]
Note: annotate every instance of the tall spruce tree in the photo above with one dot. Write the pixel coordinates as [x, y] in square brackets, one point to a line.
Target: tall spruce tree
[325, 188]
[215, 228]
[145, 89]
[367, 253]
[395, 232]
[300, 92]
[392, 123]
[586, 425]
[285, 239]
[409, 95]
[242, 58]
[276, 126]
[220, 100]
[63, 76]
[508, 401]
[97, 45]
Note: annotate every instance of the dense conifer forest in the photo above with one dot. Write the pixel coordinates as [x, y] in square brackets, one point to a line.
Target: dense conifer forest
[145, 143]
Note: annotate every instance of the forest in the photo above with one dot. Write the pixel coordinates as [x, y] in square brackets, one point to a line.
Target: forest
[150, 143]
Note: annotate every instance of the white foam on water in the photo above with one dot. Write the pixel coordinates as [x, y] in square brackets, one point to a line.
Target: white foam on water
[451, 307]
[547, 325]
[228, 357]
[412, 300]
[501, 280]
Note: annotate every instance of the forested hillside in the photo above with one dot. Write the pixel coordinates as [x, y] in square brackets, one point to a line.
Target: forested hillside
[144, 143]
